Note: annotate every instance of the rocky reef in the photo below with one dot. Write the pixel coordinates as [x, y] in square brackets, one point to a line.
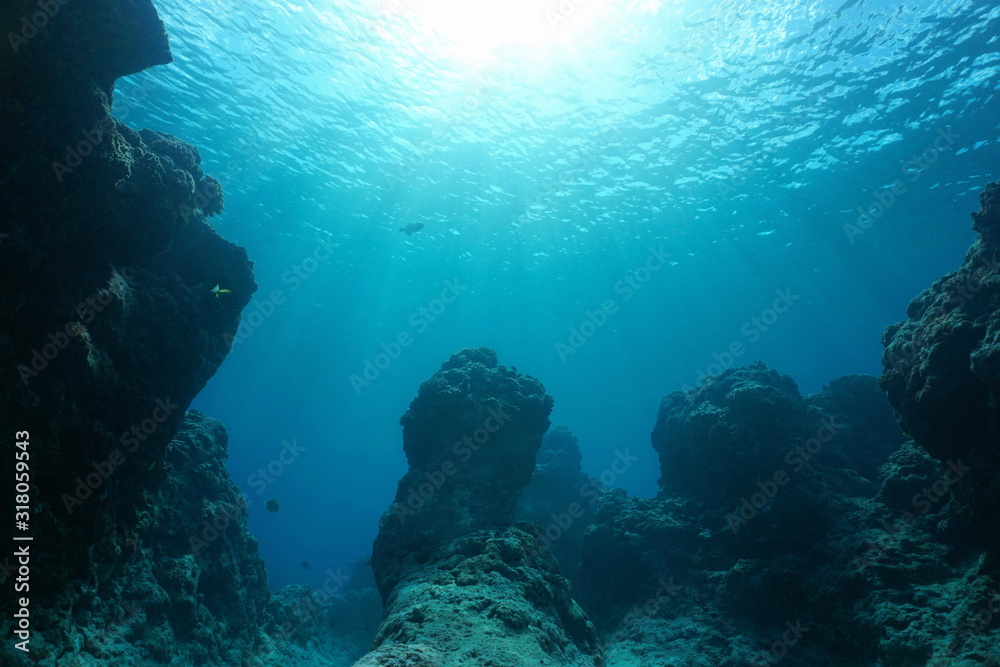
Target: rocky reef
[184, 581]
[463, 584]
[333, 625]
[805, 529]
[785, 526]
[108, 328]
[942, 375]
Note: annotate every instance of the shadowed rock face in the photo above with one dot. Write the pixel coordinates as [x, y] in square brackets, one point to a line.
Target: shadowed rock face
[185, 579]
[822, 538]
[710, 440]
[942, 373]
[108, 325]
[561, 499]
[462, 585]
[470, 438]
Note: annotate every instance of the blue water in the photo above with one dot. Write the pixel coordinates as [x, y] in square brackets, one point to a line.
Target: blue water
[556, 154]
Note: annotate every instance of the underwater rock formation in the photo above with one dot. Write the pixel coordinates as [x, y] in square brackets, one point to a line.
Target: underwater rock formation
[942, 375]
[182, 581]
[463, 585]
[807, 557]
[470, 439]
[560, 500]
[108, 328]
[335, 631]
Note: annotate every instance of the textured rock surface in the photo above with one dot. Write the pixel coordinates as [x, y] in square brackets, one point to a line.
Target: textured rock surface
[183, 581]
[463, 586]
[487, 599]
[942, 373]
[560, 500]
[108, 329]
[821, 551]
[470, 439]
[308, 627]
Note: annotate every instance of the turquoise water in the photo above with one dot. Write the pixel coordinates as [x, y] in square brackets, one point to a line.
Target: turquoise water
[619, 197]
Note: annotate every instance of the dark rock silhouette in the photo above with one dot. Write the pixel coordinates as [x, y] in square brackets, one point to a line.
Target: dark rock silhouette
[560, 500]
[470, 439]
[108, 329]
[462, 584]
[942, 375]
[806, 556]
[806, 527]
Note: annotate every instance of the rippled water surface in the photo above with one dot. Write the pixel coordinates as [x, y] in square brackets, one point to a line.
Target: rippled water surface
[618, 194]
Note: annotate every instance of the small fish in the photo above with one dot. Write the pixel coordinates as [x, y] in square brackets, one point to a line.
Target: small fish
[305, 565]
[411, 228]
[271, 505]
[217, 291]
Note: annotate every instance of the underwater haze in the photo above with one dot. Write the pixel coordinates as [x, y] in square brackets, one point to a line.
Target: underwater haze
[619, 197]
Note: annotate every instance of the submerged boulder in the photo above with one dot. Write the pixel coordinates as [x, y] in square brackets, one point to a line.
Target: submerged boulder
[182, 581]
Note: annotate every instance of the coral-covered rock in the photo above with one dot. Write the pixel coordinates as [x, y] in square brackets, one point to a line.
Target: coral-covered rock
[462, 584]
[942, 374]
[308, 626]
[746, 444]
[488, 598]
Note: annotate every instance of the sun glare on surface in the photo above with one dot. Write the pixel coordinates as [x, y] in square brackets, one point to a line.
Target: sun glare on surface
[478, 31]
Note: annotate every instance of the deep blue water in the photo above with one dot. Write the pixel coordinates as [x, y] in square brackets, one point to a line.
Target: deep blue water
[555, 153]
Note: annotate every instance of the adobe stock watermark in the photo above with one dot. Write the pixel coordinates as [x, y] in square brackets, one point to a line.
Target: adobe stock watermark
[796, 459]
[264, 476]
[86, 311]
[215, 527]
[666, 592]
[752, 330]
[958, 295]
[779, 649]
[886, 198]
[259, 311]
[665, 588]
[594, 320]
[562, 12]
[75, 153]
[130, 440]
[419, 321]
[463, 450]
[206, 192]
[309, 606]
[93, 137]
[590, 492]
[33, 23]
[924, 502]
[976, 623]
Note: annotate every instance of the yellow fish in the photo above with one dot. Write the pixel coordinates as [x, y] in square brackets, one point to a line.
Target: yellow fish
[216, 291]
